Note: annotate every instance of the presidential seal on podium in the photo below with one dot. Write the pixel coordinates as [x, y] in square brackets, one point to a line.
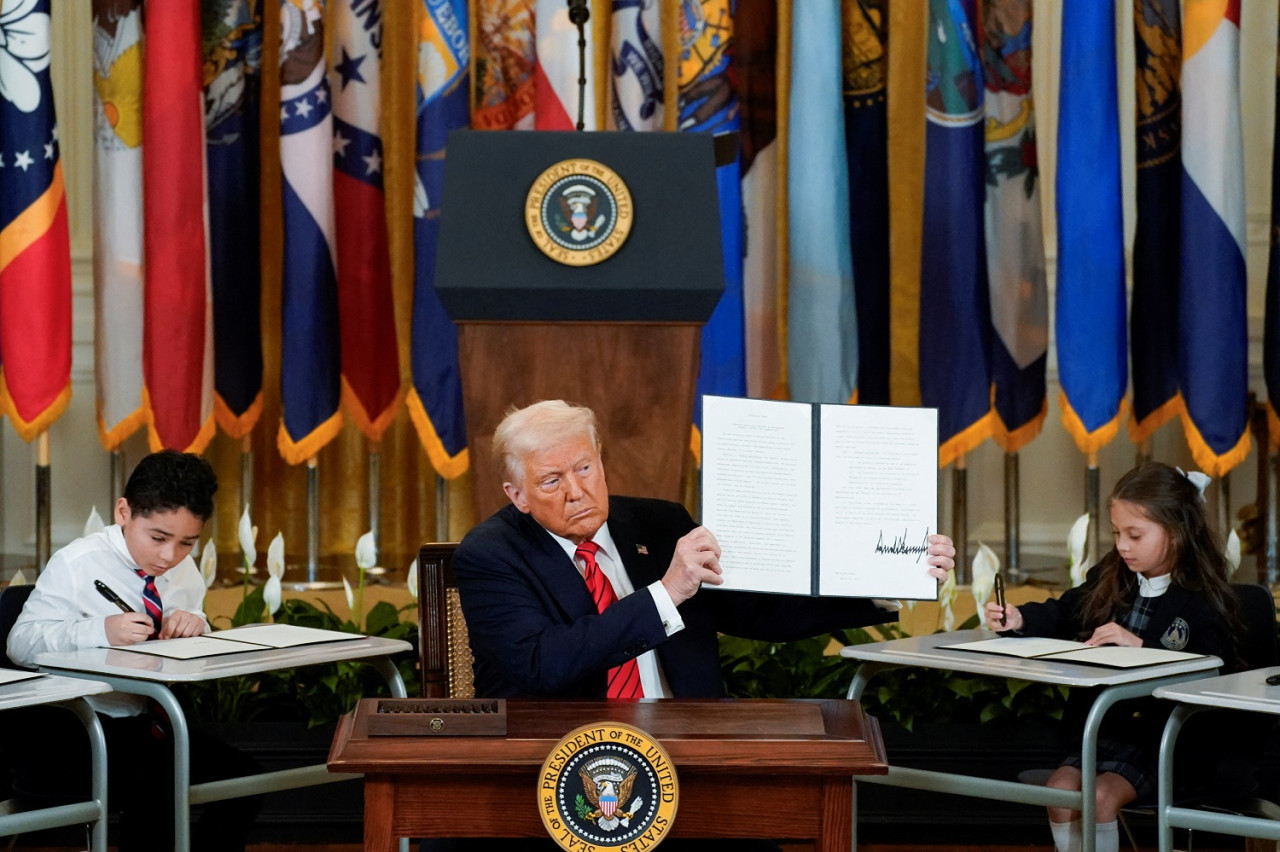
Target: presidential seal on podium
[578, 212]
[608, 786]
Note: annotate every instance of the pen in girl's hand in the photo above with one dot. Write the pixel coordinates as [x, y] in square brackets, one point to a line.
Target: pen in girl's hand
[106, 592]
[1000, 598]
[1273, 680]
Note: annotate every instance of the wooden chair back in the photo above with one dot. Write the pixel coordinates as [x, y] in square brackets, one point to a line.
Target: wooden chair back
[444, 646]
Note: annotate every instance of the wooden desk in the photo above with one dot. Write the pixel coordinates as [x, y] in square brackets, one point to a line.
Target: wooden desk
[750, 768]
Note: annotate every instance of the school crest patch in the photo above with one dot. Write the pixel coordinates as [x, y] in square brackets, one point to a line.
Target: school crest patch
[607, 786]
[1177, 636]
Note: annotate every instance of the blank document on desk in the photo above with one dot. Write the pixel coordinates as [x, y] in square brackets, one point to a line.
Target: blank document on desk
[1065, 650]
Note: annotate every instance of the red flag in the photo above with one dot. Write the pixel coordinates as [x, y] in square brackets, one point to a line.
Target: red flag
[177, 340]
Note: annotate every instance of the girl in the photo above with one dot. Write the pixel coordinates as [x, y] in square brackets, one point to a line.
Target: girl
[1163, 585]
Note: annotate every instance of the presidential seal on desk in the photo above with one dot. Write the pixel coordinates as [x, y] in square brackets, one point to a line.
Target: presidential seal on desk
[608, 786]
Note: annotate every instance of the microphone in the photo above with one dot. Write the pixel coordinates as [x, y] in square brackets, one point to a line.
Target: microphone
[579, 14]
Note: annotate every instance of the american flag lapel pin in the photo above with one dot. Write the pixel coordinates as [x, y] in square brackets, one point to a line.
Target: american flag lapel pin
[642, 550]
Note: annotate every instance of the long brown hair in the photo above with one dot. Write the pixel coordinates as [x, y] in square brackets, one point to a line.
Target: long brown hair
[1166, 497]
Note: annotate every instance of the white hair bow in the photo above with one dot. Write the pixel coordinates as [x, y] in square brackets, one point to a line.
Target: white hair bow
[1199, 480]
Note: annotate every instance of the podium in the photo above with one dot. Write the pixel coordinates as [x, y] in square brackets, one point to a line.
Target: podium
[615, 325]
[760, 768]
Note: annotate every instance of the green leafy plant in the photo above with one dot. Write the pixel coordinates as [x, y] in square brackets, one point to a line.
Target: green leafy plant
[805, 669]
[316, 694]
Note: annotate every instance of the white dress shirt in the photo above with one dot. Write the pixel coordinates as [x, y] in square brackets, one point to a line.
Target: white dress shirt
[652, 680]
[66, 612]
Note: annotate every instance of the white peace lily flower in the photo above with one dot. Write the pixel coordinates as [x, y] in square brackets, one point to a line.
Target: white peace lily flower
[947, 597]
[412, 583]
[19, 579]
[983, 571]
[94, 523]
[366, 552]
[1233, 553]
[275, 557]
[209, 563]
[271, 593]
[24, 52]
[1076, 540]
[248, 535]
[351, 596]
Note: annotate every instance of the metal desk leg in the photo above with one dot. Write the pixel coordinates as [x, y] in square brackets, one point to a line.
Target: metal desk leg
[1164, 780]
[865, 672]
[387, 668]
[98, 751]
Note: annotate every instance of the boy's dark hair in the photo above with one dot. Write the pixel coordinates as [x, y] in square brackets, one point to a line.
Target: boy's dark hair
[170, 480]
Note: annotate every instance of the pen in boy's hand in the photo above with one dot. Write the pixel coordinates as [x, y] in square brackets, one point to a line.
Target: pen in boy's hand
[1000, 598]
[106, 592]
[1273, 680]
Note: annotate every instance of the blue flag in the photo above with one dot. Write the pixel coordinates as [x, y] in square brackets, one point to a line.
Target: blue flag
[1092, 363]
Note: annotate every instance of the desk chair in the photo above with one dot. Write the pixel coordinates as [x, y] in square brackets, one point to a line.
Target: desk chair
[444, 646]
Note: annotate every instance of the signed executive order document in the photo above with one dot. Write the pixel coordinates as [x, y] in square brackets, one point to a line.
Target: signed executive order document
[817, 499]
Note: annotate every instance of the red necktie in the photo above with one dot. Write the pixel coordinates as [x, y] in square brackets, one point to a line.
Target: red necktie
[151, 600]
[624, 680]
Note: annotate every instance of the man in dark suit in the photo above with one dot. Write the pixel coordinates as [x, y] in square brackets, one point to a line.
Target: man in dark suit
[525, 580]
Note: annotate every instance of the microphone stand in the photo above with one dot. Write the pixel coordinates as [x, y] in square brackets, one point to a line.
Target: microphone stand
[579, 14]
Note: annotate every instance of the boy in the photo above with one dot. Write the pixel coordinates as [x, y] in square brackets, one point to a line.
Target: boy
[145, 559]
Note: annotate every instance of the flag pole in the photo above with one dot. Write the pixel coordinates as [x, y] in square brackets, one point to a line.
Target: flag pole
[960, 517]
[1012, 521]
[246, 474]
[117, 476]
[442, 509]
[313, 520]
[1091, 506]
[375, 498]
[44, 510]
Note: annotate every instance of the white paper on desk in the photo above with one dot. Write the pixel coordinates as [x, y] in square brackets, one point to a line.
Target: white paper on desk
[189, 647]
[1121, 657]
[15, 675]
[1020, 646]
[283, 635]
[878, 493]
[756, 484]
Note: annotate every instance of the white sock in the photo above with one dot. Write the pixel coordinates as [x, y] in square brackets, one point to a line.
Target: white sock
[1066, 835]
[1108, 837]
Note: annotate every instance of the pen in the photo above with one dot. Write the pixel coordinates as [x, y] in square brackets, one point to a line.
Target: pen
[1000, 597]
[106, 592]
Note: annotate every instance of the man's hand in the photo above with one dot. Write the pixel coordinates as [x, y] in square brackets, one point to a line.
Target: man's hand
[180, 623]
[696, 561]
[1113, 634]
[942, 556]
[128, 628]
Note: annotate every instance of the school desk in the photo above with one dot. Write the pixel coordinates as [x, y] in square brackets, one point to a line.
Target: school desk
[70, 693]
[930, 652]
[1240, 691]
[151, 676]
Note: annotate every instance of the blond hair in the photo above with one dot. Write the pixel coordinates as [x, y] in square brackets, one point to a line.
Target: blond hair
[527, 429]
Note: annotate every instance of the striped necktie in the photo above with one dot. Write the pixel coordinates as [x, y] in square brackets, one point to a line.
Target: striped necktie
[624, 680]
[151, 600]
